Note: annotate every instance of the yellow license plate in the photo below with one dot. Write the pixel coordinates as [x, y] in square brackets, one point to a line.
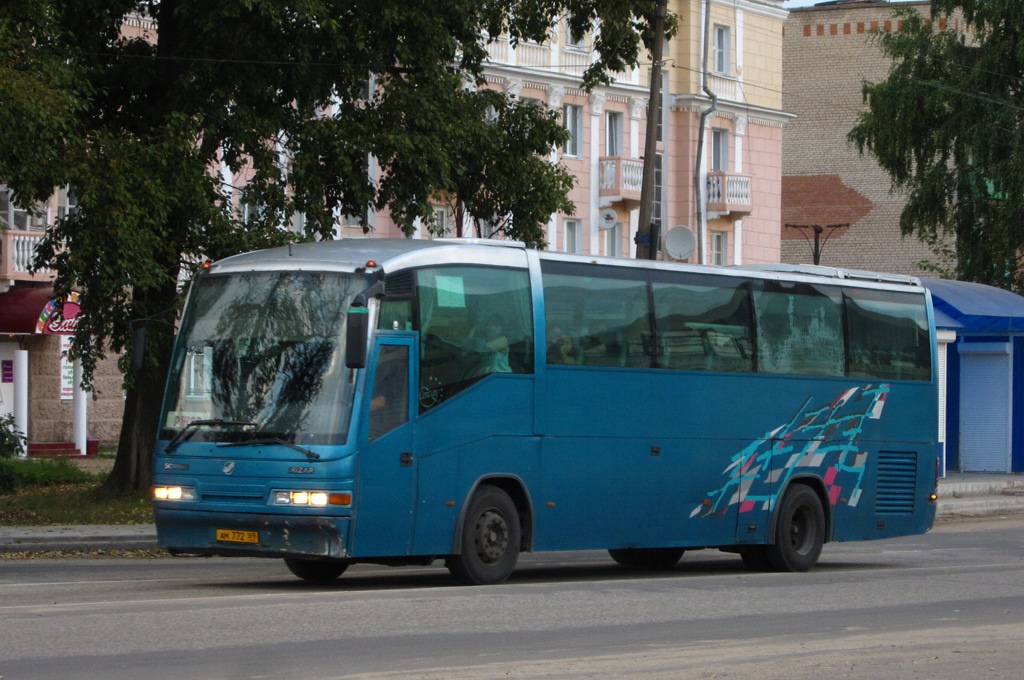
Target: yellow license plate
[237, 536]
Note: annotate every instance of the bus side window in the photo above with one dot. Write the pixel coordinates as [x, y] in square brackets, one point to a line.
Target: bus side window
[703, 324]
[888, 335]
[596, 317]
[799, 329]
[395, 315]
[475, 321]
[389, 405]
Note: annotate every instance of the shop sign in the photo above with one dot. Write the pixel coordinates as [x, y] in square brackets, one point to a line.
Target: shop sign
[59, 322]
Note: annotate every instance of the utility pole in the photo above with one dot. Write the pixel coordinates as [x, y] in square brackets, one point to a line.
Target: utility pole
[647, 233]
[818, 230]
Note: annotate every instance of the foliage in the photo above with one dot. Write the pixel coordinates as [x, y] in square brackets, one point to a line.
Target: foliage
[491, 145]
[57, 491]
[12, 441]
[946, 125]
[295, 96]
[18, 474]
[78, 503]
[8, 482]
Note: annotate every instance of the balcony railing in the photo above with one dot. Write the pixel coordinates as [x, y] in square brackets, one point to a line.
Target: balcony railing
[622, 179]
[724, 87]
[17, 250]
[729, 193]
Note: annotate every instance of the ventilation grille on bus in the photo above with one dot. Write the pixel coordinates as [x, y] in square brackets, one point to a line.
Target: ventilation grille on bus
[399, 285]
[897, 483]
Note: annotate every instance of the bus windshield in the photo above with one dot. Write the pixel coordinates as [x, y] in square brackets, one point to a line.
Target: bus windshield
[261, 356]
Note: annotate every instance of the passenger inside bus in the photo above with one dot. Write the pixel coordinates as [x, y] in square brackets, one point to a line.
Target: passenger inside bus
[489, 340]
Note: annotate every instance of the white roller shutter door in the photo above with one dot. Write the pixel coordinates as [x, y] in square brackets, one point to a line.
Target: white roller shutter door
[985, 394]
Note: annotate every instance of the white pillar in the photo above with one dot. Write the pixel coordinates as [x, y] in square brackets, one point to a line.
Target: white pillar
[80, 408]
[597, 102]
[21, 393]
[737, 243]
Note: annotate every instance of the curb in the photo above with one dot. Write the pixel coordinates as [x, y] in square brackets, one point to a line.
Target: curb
[88, 538]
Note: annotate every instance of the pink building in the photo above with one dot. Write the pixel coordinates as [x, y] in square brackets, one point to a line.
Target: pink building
[737, 213]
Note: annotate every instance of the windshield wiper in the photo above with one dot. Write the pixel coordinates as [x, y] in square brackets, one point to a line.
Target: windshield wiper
[194, 425]
[312, 455]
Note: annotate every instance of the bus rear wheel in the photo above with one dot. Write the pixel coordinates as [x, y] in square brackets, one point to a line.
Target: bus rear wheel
[491, 537]
[799, 531]
[316, 571]
[654, 559]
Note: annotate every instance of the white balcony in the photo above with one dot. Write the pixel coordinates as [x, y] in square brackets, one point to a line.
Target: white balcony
[729, 194]
[622, 180]
[17, 250]
[724, 87]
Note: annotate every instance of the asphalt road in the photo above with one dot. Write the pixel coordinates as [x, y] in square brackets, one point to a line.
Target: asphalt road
[948, 605]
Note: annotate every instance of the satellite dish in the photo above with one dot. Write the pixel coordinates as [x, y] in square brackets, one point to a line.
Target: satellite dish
[608, 219]
[680, 242]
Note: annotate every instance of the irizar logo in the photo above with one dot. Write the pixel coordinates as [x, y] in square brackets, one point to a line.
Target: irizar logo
[229, 467]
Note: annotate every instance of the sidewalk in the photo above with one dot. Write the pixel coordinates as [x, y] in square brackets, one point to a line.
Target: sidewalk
[960, 495]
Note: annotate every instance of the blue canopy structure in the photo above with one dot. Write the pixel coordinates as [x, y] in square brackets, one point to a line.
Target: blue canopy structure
[960, 305]
[984, 376]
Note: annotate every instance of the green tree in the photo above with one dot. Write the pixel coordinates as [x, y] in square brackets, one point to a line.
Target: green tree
[947, 126]
[298, 94]
[501, 180]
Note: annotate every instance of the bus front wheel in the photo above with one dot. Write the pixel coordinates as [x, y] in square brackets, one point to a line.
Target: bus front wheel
[654, 559]
[316, 571]
[799, 532]
[491, 536]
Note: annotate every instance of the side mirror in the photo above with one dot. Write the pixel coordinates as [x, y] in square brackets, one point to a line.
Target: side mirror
[358, 324]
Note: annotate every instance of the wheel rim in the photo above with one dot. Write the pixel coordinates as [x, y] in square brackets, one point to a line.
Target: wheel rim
[801, 531]
[491, 536]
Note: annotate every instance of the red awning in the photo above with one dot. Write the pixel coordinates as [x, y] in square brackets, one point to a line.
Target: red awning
[24, 311]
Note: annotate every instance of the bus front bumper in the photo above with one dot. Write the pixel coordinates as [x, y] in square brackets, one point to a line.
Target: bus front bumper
[213, 533]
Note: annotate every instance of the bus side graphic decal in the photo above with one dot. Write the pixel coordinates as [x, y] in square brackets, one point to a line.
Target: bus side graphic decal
[822, 438]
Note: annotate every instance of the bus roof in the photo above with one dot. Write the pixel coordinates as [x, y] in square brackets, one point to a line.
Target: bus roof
[364, 254]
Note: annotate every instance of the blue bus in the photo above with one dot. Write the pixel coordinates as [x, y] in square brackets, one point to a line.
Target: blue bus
[403, 401]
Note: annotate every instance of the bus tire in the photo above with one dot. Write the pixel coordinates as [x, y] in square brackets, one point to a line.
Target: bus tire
[652, 559]
[799, 531]
[491, 537]
[316, 571]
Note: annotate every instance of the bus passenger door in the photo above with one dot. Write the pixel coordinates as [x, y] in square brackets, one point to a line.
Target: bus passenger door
[385, 501]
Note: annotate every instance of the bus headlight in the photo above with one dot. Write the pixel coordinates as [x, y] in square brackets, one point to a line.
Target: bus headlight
[316, 499]
[174, 493]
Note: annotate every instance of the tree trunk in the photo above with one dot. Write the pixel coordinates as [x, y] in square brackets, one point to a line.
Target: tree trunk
[133, 467]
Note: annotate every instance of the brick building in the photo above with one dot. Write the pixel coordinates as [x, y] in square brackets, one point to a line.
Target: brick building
[828, 52]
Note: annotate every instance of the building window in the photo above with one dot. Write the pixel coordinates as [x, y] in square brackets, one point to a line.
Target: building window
[720, 150]
[613, 241]
[572, 118]
[572, 236]
[719, 244]
[15, 217]
[6, 209]
[579, 45]
[442, 220]
[721, 48]
[298, 222]
[67, 202]
[613, 133]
